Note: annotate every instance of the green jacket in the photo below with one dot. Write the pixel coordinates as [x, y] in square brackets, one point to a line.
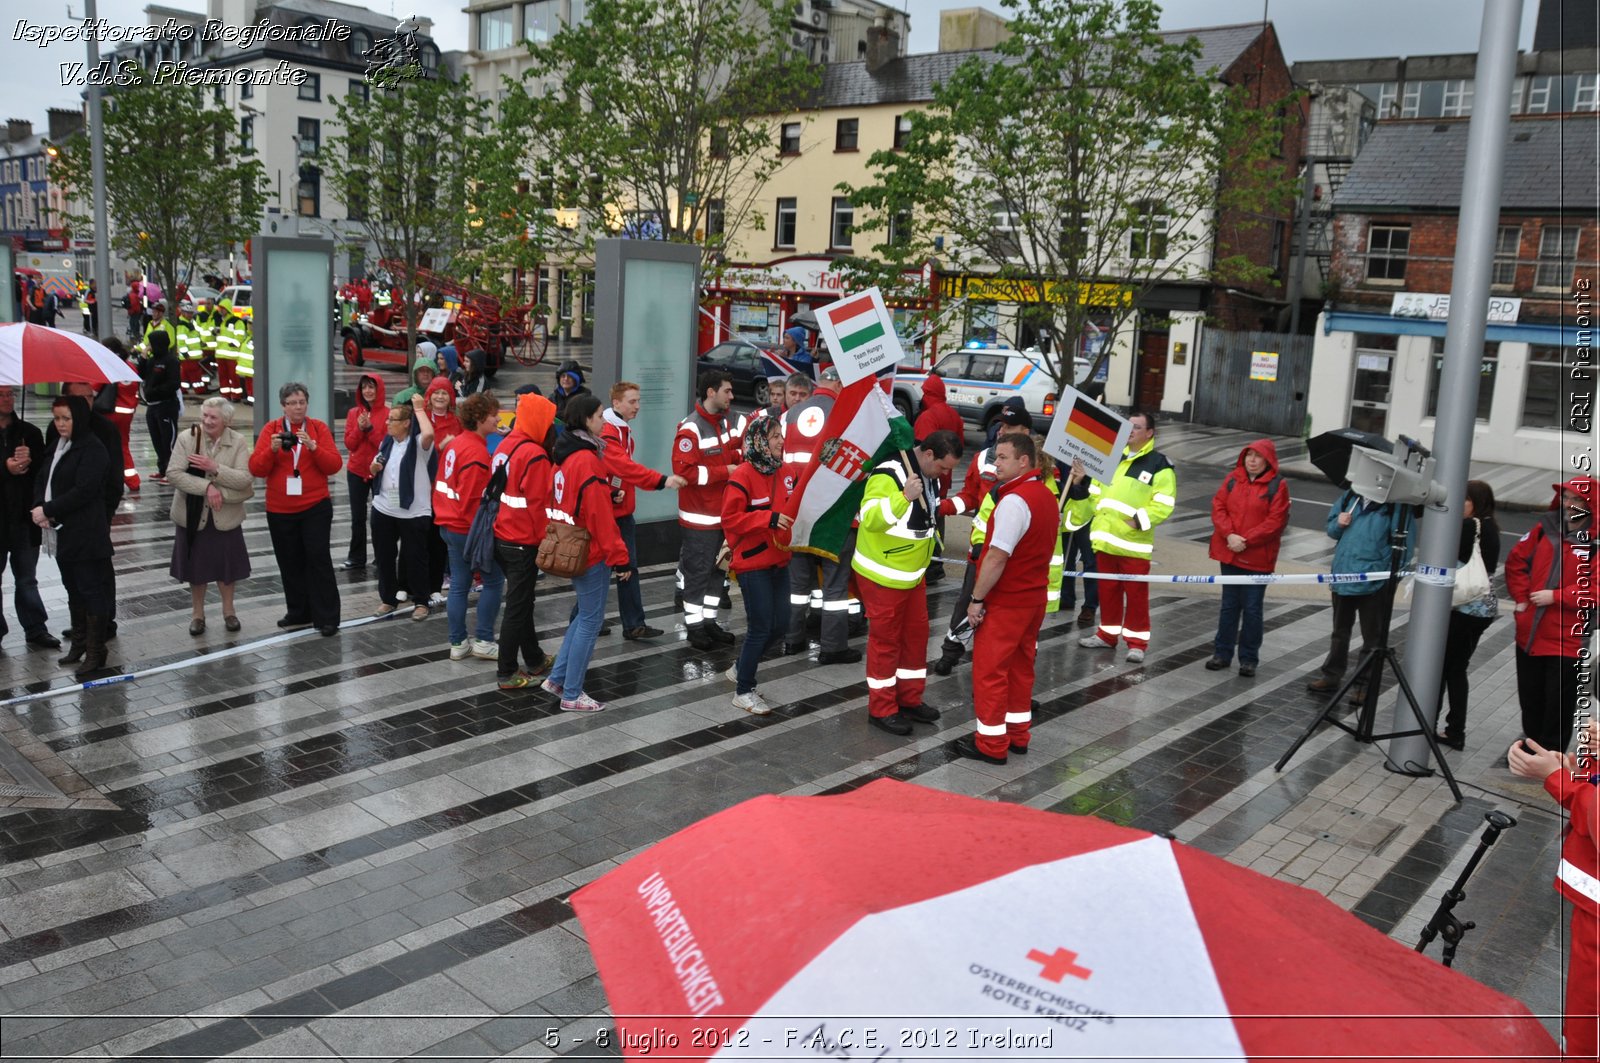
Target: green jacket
[1123, 514]
[889, 551]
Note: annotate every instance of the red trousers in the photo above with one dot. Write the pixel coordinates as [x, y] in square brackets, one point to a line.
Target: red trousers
[130, 472]
[192, 376]
[1579, 1024]
[1003, 651]
[897, 645]
[228, 379]
[1124, 605]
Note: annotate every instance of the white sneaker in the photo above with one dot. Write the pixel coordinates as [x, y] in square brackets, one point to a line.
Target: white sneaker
[438, 600]
[732, 674]
[550, 688]
[752, 703]
[460, 651]
[1135, 655]
[488, 651]
[1095, 642]
[581, 704]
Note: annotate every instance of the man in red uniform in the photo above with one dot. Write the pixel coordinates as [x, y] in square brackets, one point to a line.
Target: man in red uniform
[121, 415]
[628, 475]
[1008, 601]
[707, 445]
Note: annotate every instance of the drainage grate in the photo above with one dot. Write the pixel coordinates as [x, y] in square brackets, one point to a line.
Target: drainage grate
[24, 791]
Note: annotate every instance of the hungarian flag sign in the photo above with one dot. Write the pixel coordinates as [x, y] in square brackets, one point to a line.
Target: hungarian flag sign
[859, 332]
[862, 429]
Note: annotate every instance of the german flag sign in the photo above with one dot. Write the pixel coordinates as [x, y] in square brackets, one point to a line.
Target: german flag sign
[1086, 431]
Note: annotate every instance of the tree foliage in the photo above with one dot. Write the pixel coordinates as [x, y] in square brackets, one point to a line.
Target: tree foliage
[180, 188]
[408, 159]
[656, 120]
[1086, 160]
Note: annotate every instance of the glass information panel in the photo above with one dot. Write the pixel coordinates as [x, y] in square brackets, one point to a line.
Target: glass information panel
[658, 344]
[299, 335]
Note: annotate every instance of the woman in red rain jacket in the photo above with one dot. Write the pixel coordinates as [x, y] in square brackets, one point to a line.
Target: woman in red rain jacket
[1550, 577]
[753, 526]
[1248, 513]
[580, 493]
[518, 530]
[365, 427]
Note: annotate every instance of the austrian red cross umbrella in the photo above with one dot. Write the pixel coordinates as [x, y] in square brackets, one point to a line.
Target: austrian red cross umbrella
[898, 922]
[36, 354]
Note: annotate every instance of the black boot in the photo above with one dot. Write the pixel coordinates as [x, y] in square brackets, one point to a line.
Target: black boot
[949, 656]
[77, 635]
[95, 659]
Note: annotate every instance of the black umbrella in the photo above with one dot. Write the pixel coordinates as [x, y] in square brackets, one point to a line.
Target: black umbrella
[1330, 452]
[805, 318]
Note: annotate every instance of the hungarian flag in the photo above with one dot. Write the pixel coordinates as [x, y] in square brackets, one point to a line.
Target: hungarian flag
[862, 429]
[856, 321]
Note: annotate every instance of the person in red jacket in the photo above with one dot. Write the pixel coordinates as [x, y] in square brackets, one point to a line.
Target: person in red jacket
[518, 530]
[580, 493]
[1575, 784]
[627, 476]
[938, 416]
[759, 560]
[1248, 515]
[1550, 577]
[463, 474]
[365, 427]
[127, 404]
[441, 396]
[296, 455]
[704, 451]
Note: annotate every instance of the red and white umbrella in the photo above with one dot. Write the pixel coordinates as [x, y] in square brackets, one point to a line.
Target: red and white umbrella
[898, 922]
[35, 354]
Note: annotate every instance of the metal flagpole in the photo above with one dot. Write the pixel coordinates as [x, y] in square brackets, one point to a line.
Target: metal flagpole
[97, 154]
[1463, 362]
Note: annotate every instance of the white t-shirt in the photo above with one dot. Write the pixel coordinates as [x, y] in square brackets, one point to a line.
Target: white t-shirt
[1009, 523]
[386, 493]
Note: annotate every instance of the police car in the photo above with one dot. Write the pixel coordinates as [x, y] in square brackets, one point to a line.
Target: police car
[981, 376]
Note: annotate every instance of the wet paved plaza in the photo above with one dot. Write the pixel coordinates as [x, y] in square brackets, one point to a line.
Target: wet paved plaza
[278, 846]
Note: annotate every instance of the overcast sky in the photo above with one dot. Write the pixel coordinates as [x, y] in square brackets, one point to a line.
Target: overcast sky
[30, 77]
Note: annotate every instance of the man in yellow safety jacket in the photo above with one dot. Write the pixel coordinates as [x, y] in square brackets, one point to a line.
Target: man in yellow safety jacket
[1122, 517]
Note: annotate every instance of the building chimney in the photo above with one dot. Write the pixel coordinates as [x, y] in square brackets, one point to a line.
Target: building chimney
[18, 129]
[883, 46]
[64, 122]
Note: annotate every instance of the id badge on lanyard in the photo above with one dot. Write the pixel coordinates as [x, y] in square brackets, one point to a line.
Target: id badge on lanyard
[295, 486]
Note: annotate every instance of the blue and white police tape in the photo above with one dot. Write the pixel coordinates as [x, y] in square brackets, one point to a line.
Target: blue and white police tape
[1243, 578]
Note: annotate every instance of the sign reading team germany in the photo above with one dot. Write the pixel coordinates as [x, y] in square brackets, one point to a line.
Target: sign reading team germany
[860, 333]
[1087, 431]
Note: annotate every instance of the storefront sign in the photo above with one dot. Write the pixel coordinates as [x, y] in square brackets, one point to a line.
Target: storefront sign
[1015, 290]
[1263, 365]
[1436, 307]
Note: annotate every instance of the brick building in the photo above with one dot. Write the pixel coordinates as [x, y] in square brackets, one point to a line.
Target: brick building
[1379, 347]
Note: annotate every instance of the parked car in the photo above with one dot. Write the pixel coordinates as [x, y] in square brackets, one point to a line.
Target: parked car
[749, 364]
[979, 378]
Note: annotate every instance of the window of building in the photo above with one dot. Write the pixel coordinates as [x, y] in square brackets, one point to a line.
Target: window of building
[1280, 233]
[1507, 241]
[246, 90]
[360, 90]
[1411, 102]
[844, 216]
[1558, 248]
[1586, 94]
[496, 30]
[1387, 248]
[1539, 94]
[785, 223]
[902, 131]
[1491, 364]
[1552, 388]
[309, 194]
[1148, 239]
[789, 138]
[580, 13]
[217, 94]
[309, 133]
[1519, 89]
[1074, 240]
[719, 142]
[1457, 101]
[847, 135]
[541, 20]
[716, 218]
[900, 228]
[311, 87]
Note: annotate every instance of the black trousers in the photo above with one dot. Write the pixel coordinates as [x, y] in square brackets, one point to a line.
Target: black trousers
[90, 585]
[438, 563]
[360, 493]
[1460, 642]
[162, 420]
[1347, 609]
[519, 632]
[400, 549]
[1547, 688]
[301, 543]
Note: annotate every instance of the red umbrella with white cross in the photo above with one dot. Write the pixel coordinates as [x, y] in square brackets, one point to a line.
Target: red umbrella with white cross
[898, 922]
[37, 354]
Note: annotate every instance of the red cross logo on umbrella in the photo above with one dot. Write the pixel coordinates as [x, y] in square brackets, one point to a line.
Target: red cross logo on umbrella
[1056, 966]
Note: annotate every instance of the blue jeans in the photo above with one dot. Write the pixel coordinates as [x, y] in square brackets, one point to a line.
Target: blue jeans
[766, 611]
[630, 599]
[461, 584]
[30, 607]
[1079, 558]
[577, 646]
[1237, 598]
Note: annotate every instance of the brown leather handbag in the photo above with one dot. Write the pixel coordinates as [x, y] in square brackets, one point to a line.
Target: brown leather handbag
[565, 549]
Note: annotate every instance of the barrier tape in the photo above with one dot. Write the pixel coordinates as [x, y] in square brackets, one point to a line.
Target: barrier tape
[1260, 578]
[1435, 576]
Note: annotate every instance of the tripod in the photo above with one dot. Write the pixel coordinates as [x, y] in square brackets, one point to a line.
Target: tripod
[1444, 923]
[1371, 669]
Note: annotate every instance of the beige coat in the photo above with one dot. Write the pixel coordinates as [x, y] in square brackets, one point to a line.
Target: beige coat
[232, 477]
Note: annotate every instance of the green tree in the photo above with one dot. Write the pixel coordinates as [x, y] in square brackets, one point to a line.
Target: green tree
[660, 122]
[180, 187]
[1084, 161]
[409, 158]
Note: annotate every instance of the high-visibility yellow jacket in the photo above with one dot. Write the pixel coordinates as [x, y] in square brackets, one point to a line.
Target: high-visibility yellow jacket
[892, 549]
[1123, 514]
[172, 337]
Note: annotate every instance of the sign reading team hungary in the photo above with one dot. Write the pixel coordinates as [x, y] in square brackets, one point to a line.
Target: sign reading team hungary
[861, 335]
